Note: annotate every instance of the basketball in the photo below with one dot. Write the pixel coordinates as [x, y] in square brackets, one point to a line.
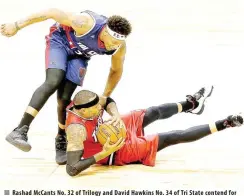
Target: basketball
[113, 132]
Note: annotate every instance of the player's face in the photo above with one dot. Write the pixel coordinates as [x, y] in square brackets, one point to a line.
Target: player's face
[111, 43]
[92, 112]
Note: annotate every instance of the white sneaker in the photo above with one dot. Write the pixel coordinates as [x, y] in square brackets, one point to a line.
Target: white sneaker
[200, 97]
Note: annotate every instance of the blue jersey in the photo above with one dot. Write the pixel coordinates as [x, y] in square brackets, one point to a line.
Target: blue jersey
[85, 45]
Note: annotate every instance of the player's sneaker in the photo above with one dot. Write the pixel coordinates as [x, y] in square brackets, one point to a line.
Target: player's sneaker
[234, 121]
[61, 146]
[18, 138]
[198, 99]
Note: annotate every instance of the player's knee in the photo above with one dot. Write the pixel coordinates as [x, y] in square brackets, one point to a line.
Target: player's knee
[53, 82]
[164, 111]
[51, 85]
[154, 111]
[71, 170]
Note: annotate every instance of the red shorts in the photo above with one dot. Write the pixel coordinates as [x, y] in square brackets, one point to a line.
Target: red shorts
[137, 148]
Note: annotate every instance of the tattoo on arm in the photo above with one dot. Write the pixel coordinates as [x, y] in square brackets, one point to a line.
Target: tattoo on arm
[76, 135]
[78, 23]
[112, 109]
[30, 20]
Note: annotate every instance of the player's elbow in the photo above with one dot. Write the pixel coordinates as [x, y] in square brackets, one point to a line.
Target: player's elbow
[116, 71]
[117, 67]
[116, 75]
[71, 170]
[56, 14]
[50, 12]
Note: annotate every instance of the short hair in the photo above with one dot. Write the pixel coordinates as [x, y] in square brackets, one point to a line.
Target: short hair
[119, 25]
[83, 97]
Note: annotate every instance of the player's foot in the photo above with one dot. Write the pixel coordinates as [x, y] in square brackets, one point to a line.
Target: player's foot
[61, 146]
[234, 121]
[199, 98]
[18, 138]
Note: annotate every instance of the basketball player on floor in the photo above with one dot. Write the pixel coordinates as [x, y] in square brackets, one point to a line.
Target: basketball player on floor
[85, 115]
[72, 41]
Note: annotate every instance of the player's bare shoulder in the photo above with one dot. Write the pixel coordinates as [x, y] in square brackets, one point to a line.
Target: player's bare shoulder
[82, 23]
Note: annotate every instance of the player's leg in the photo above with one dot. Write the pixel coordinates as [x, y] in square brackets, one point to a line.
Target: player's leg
[75, 74]
[197, 132]
[193, 104]
[56, 60]
[64, 93]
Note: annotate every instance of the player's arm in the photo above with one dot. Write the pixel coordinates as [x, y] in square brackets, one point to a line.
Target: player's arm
[80, 23]
[76, 135]
[112, 109]
[116, 70]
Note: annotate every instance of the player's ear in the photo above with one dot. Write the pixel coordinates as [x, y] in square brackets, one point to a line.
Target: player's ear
[105, 31]
[82, 111]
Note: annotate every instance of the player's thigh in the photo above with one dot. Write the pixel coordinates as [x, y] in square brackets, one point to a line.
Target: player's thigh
[55, 56]
[133, 122]
[66, 90]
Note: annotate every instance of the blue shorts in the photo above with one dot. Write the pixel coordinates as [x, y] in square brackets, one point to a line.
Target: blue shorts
[57, 56]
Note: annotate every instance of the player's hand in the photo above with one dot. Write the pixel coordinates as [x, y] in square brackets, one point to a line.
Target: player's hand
[108, 148]
[116, 120]
[8, 30]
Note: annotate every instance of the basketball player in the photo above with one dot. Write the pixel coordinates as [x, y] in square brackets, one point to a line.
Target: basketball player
[72, 41]
[85, 115]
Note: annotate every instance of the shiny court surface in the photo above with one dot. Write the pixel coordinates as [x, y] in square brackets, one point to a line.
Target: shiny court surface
[176, 47]
[198, 166]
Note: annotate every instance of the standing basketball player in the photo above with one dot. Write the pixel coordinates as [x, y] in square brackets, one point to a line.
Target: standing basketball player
[72, 41]
[85, 115]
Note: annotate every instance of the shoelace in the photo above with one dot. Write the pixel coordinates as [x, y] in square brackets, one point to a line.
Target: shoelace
[24, 135]
[237, 120]
[199, 94]
[234, 121]
[61, 143]
[201, 91]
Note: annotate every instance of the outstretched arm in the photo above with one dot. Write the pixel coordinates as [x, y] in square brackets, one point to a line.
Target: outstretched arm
[116, 70]
[56, 14]
[76, 135]
[80, 23]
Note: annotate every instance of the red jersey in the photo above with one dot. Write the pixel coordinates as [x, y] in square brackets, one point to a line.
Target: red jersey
[91, 144]
[137, 148]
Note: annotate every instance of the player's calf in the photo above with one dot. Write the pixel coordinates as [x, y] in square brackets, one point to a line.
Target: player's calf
[193, 104]
[197, 132]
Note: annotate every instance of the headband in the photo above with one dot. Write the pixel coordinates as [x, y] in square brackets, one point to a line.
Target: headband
[115, 34]
[87, 105]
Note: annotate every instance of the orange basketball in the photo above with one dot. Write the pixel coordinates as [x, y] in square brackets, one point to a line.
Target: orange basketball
[113, 132]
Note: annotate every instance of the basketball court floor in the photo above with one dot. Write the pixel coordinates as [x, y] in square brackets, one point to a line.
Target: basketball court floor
[176, 48]
[200, 166]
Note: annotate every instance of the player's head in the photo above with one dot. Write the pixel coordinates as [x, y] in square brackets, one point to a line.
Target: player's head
[86, 103]
[115, 32]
